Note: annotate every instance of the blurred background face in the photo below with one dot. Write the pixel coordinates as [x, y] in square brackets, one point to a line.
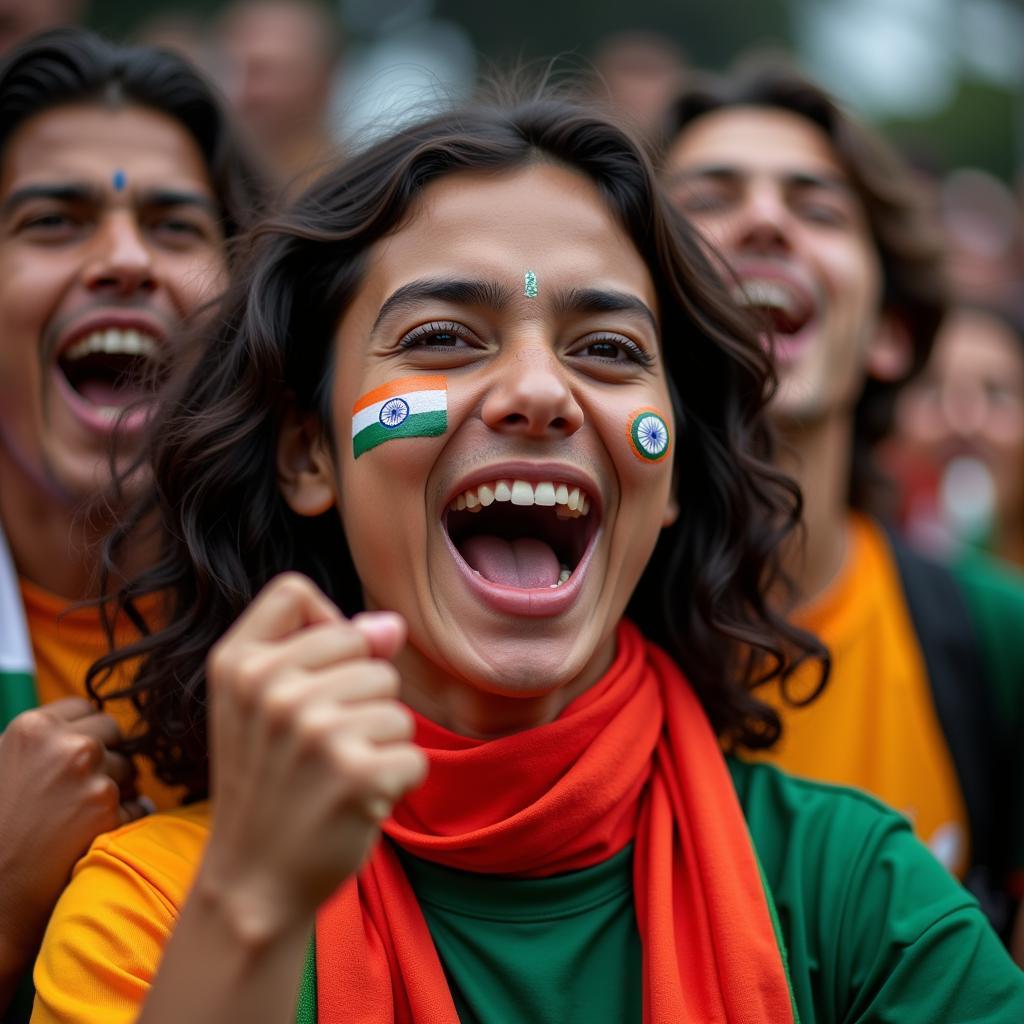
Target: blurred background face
[766, 189]
[640, 74]
[20, 19]
[968, 404]
[277, 67]
[109, 239]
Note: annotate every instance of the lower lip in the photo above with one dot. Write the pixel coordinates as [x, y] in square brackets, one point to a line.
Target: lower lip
[93, 419]
[533, 602]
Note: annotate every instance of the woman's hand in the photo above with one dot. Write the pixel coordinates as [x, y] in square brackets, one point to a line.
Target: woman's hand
[62, 783]
[310, 749]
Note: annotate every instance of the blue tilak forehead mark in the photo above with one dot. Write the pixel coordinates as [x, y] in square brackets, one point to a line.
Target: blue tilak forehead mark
[119, 181]
[530, 284]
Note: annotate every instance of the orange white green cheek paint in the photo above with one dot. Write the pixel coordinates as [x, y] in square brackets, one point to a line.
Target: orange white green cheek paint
[648, 435]
[409, 407]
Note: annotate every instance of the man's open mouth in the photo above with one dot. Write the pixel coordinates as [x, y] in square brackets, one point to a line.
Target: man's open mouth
[786, 310]
[112, 368]
[523, 535]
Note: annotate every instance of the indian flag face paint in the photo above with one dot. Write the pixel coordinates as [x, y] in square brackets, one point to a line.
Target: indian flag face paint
[648, 435]
[410, 407]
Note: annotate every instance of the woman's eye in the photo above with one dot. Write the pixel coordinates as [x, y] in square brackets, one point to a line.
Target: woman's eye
[437, 335]
[605, 350]
[615, 349]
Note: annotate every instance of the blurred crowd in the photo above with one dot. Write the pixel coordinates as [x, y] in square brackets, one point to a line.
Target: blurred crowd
[955, 459]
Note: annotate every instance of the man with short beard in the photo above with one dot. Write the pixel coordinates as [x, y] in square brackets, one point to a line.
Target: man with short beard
[828, 240]
[120, 186]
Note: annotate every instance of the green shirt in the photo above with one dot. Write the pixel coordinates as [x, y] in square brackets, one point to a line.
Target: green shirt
[994, 592]
[875, 930]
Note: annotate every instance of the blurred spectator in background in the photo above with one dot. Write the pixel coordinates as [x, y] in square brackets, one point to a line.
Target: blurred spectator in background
[20, 19]
[982, 227]
[279, 58]
[120, 183]
[958, 448]
[183, 34]
[639, 74]
[833, 247]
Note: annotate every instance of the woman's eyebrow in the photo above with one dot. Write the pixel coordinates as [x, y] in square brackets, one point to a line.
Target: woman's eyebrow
[602, 300]
[443, 289]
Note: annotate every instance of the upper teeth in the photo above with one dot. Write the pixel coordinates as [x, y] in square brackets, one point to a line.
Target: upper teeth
[569, 500]
[126, 342]
[768, 294]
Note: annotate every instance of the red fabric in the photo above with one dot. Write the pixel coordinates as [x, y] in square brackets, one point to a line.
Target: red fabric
[634, 758]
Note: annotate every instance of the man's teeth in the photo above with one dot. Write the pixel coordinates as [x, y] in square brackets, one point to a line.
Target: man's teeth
[765, 295]
[115, 340]
[568, 501]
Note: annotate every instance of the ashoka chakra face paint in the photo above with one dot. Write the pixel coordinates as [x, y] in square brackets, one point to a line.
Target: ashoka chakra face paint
[648, 434]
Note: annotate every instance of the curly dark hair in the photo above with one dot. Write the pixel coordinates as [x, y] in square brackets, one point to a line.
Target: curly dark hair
[73, 65]
[903, 226]
[226, 530]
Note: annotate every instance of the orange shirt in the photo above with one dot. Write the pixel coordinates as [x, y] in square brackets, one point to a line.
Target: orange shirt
[875, 725]
[106, 938]
[64, 644]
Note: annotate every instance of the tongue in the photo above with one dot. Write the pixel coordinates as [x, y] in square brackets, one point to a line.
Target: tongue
[525, 562]
[101, 393]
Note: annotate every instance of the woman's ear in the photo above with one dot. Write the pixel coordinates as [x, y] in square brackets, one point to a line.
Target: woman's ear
[671, 510]
[305, 467]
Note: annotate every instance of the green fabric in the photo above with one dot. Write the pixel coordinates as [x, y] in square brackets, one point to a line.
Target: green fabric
[876, 930]
[552, 949]
[305, 1010]
[780, 939]
[994, 592]
[17, 694]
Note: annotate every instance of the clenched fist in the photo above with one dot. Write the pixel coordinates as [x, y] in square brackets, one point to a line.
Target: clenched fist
[310, 748]
[62, 783]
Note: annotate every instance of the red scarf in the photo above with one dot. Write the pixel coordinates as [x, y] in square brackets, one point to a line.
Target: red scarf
[634, 758]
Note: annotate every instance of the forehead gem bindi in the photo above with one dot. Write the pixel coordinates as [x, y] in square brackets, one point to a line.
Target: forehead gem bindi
[119, 181]
[530, 284]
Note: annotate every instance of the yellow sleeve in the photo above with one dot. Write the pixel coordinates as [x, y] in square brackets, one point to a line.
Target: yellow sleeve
[108, 930]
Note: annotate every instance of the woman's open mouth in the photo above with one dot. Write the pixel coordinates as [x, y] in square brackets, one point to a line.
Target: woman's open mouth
[522, 545]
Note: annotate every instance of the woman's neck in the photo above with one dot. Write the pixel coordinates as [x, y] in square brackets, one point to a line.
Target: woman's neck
[485, 711]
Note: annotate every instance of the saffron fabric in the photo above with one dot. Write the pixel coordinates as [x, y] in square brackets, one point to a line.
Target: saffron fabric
[875, 726]
[66, 640]
[632, 758]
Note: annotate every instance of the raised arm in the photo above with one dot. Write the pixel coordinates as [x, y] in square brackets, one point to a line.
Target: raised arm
[309, 751]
